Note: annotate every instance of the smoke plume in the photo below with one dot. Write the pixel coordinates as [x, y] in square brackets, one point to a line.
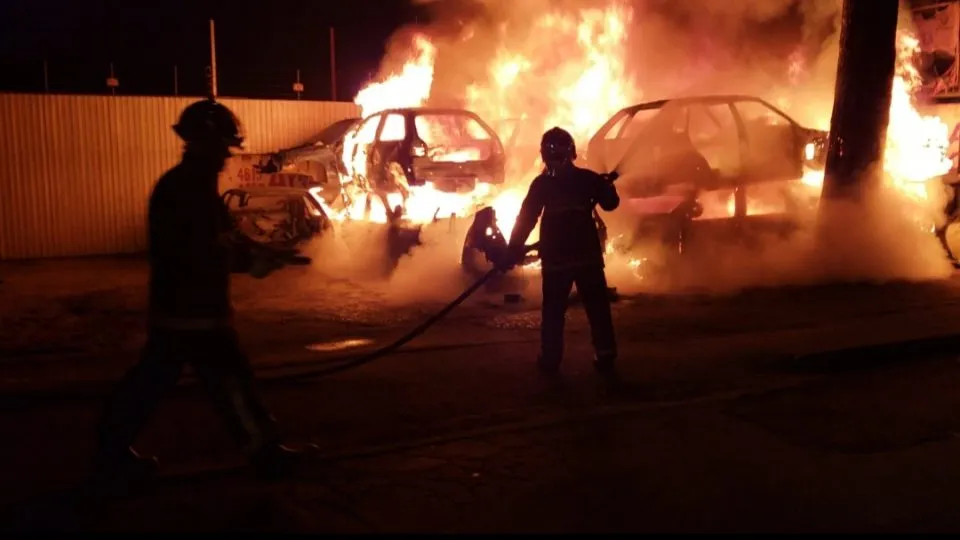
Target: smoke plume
[784, 51]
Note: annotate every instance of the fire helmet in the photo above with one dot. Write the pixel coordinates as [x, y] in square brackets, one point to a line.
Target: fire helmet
[208, 122]
[557, 147]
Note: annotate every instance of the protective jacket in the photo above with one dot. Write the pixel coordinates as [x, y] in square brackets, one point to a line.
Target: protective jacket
[568, 232]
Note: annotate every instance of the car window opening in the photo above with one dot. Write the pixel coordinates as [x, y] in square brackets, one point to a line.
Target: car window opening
[454, 138]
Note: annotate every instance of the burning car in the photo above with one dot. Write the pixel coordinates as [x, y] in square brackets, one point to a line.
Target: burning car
[281, 217]
[319, 158]
[708, 158]
[451, 149]
[317, 162]
[711, 142]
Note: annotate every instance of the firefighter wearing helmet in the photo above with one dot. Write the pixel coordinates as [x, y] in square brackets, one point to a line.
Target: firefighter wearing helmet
[570, 248]
[192, 250]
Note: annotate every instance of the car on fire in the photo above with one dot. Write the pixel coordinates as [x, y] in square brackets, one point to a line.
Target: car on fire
[280, 217]
[316, 162]
[709, 142]
[729, 163]
[451, 149]
[319, 158]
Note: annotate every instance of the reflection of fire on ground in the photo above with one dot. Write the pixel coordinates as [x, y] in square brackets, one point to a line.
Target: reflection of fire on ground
[575, 76]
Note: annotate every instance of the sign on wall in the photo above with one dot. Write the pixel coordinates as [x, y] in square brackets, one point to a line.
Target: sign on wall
[938, 29]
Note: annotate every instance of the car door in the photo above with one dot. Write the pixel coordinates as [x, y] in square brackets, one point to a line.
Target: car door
[773, 149]
[385, 161]
[357, 146]
[615, 138]
[713, 132]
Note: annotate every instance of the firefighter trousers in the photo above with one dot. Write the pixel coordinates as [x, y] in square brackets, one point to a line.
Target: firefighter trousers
[221, 367]
[591, 285]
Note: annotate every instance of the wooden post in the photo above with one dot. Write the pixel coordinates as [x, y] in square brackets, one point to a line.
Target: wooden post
[213, 61]
[861, 107]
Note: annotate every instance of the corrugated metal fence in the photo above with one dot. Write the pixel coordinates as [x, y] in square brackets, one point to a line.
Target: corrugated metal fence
[76, 171]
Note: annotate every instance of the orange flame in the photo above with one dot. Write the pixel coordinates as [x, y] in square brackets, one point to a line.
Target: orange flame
[409, 88]
[571, 72]
[917, 145]
[579, 93]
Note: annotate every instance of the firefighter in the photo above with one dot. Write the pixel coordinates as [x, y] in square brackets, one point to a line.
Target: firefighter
[192, 250]
[570, 248]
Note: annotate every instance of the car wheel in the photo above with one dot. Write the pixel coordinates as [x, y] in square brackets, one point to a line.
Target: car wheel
[951, 239]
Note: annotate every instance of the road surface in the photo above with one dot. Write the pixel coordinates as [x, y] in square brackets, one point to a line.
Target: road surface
[715, 427]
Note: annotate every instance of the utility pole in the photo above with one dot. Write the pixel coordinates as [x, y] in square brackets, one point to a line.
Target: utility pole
[112, 81]
[213, 61]
[298, 86]
[333, 64]
[176, 81]
[861, 107]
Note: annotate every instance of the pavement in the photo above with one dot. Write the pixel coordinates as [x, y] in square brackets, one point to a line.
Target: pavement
[759, 412]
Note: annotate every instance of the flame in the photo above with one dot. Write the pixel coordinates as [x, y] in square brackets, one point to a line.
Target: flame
[568, 69]
[409, 88]
[917, 146]
[569, 72]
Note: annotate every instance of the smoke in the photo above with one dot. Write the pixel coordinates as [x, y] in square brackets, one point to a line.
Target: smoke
[872, 241]
[360, 252]
[784, 51]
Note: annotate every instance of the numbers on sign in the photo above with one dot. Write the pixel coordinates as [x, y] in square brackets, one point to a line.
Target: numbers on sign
[245, 176]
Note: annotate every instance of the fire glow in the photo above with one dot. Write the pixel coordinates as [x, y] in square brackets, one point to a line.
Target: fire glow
[568, 68]
[917, 145]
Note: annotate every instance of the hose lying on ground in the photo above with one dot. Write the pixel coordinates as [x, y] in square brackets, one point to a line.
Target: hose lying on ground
[370, 357]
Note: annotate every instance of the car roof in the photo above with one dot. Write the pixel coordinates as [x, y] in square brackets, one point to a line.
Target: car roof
[427, 110]
[333, 131]
[271, 190]
[707, 98]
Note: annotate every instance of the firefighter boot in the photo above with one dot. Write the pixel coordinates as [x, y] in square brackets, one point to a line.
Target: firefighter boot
[606, 365]
[128, 466]
[548, 367]
[275, 461]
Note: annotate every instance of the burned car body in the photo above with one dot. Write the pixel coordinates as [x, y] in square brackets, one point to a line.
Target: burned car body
[711, 142]
[281, 217]
[728, 163]
[320, 158]
[316, 162]
[452, 149]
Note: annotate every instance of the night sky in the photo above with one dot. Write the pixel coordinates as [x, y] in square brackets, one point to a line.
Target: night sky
[260, 45]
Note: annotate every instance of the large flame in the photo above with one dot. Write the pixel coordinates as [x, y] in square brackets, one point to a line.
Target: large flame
[568, 68]
[917, 145]
[569, 72]
[409, 88]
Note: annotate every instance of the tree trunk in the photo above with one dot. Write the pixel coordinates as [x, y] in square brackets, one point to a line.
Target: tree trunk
[861, 107]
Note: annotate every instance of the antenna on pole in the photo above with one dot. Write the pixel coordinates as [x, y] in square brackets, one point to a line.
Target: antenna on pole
[212, 69]
[112, 81]
[298, 86]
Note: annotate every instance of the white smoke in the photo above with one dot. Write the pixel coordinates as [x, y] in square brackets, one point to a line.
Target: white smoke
[784, 51]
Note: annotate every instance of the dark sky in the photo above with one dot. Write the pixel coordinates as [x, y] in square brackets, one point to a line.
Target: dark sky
[260, 44]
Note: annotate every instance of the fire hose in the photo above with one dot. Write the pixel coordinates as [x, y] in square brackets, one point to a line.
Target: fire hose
[409, 336]
[390, 348]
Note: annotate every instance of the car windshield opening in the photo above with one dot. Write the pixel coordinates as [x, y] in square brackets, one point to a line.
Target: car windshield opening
[454, 138]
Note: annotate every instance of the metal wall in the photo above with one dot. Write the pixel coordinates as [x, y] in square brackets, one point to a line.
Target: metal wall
[76, 171]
